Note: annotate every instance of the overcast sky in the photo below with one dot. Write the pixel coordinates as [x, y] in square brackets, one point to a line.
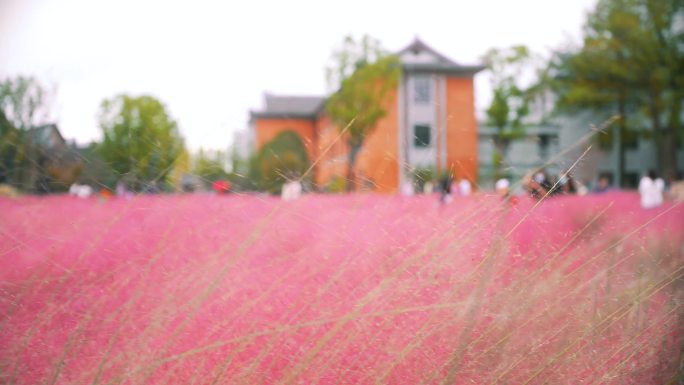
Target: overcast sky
[211, 61]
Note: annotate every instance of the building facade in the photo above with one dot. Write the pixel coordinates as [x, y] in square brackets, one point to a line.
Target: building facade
[429, 123]
[564, 140]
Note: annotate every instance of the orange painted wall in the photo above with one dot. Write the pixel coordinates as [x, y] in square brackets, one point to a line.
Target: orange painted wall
[332, 152]
[377, 163]
[461, 128]
[378, 160]
[267, 129]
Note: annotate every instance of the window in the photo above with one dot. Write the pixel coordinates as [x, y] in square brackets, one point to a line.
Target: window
[421, 135]
[421, 90]
[544, 141]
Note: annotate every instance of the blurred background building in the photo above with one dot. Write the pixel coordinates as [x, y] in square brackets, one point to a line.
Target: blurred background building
[430, 123]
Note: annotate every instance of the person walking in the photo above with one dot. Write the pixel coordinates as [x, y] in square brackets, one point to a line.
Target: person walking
[445, 189]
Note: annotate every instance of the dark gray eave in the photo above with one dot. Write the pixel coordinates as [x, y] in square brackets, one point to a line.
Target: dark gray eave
[292, 104]
[441, 68]
[483, 129]
[281, 115]
[289, 107]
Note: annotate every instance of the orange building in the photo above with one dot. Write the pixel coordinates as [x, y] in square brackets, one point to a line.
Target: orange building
[430, 123]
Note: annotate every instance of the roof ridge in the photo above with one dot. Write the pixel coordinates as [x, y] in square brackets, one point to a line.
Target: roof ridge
[418, 45]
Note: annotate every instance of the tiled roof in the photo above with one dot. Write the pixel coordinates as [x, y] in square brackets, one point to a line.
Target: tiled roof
[282, 106]
[47, 135]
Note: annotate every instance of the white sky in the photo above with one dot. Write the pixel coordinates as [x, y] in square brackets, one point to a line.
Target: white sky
[211, 61]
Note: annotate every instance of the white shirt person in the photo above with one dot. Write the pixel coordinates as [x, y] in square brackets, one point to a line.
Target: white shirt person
[651, 190]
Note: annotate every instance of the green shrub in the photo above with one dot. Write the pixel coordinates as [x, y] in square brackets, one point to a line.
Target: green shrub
[336, 185]
[421, 176]
[281, 159]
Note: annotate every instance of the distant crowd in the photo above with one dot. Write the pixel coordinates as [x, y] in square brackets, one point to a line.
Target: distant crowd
[653, 190]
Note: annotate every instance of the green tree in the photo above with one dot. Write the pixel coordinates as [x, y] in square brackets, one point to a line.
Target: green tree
[210, 165]
[95, 170]
[599, 75]
[366, 75]
[23, 106]
[511, 101]
[9, 139]
[283, 158]
[140, 140]
[659, 53]
[631, 62]
[243, 175]
[24, 102]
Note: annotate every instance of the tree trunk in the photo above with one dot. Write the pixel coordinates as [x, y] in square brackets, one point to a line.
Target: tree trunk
[26, 163]
[675, 132]
[619, 142]
[354, 148]
[501, 148]
[665, 139]
[668, 154]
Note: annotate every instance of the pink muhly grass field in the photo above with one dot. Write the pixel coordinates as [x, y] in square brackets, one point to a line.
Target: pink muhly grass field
[203, 289]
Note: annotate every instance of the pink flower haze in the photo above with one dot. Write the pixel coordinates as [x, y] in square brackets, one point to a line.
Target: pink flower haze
[355, 289]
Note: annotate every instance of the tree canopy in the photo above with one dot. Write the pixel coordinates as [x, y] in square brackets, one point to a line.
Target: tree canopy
[23, 106]
[631, 62]
[210, 165]
[140, 140]
[366, 74]
[24, 102]
[511, 100]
